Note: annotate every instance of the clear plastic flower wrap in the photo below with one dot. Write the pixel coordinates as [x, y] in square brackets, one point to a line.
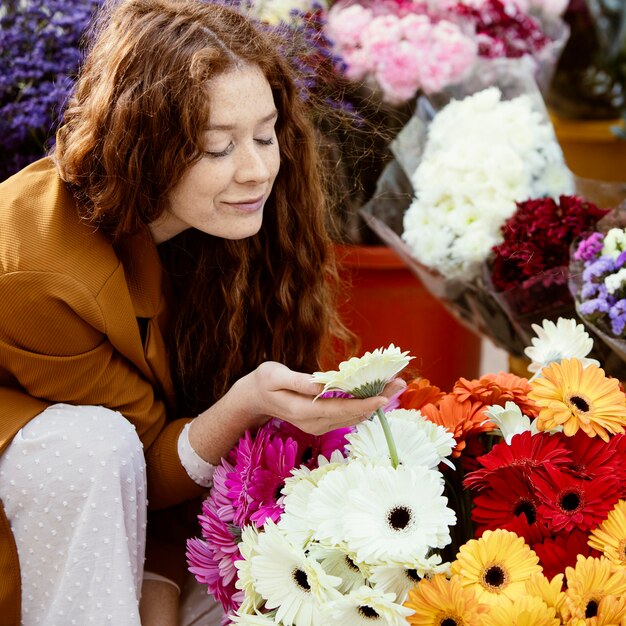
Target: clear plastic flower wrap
[597, 282]
[462, 165]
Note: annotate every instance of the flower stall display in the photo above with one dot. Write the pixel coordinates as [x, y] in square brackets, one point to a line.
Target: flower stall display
[403, 48]
[507, 505]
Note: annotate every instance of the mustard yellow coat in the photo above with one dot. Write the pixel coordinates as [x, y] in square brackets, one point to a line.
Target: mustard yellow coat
[70, 303]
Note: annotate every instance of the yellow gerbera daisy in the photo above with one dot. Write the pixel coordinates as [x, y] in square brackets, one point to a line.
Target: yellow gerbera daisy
[550, 591]
[588, 583]
[441, 602]
[577, 398]
[496, 566]
[610, 536]
[526, 611]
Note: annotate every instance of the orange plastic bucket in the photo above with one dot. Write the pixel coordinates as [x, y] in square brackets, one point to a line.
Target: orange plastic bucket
[385, 303]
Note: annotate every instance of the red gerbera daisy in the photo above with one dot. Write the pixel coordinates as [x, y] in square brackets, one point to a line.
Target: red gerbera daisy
[593, 457]
[557, 553]
[568, 501]
[510, 494]
[526, 451]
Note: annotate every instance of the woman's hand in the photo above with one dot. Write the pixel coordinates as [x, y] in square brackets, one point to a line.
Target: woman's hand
[273, 390]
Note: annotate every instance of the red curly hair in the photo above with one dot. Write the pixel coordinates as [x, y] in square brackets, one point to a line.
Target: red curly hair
[130, 132]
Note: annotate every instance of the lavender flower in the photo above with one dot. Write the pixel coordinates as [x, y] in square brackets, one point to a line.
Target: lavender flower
[590, 247]
[617, 314]
[597, 268]
[592, 307]
[40, 47]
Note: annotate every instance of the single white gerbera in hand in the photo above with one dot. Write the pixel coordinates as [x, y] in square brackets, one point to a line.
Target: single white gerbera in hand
[289, 580]
[366, 376]
[367, 607]
[418, 441]
[567, 339]
[510, 420]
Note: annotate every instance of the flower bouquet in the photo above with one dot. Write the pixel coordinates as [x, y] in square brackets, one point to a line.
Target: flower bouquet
[535, 523]
[402, 48]
[547, 500]
[318, 530]
[598, 281]
[480, 205]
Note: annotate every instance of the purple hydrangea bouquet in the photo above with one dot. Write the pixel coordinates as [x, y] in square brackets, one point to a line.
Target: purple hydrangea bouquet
[307, 531]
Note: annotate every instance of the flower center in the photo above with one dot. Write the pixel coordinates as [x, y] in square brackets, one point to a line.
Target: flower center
[494, 578]
[400, 518]
[368, 612]
[351, 564]
[528, 509]
[279, 490]
[580, 404]
[621, 551]
[412, 574]
[570, 501]
[300, 579]
[450, 621]
[307, 455]
[591, 610]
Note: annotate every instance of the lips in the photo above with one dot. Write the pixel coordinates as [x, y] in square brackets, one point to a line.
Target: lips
[249, 205]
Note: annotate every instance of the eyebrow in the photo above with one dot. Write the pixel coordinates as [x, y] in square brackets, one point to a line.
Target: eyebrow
[267, 118]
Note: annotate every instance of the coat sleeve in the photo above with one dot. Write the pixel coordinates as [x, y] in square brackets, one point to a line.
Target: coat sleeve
[54, 348]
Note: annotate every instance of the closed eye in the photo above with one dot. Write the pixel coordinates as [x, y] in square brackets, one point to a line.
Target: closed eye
[221, 153]
[266, 142]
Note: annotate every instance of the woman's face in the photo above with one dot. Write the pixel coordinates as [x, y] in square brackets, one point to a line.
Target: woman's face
[223, 193]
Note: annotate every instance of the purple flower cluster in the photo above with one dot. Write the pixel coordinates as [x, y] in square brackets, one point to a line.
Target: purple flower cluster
[598, 303]
[40, 52]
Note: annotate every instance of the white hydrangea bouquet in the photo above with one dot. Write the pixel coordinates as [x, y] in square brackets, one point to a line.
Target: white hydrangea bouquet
[464, 164]
[351, 534]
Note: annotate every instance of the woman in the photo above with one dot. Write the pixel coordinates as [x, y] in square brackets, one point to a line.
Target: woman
[165, 284]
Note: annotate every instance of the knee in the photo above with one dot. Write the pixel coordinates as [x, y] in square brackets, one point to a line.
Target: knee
[91, 438]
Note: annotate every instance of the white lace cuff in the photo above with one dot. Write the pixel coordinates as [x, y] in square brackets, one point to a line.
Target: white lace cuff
[198, 469]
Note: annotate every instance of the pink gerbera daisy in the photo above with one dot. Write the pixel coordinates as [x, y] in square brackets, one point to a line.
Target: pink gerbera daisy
[277, 460]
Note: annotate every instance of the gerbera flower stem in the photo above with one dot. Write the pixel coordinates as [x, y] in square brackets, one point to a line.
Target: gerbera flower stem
[393, 453]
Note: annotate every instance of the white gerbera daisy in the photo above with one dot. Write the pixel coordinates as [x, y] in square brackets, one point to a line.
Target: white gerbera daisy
[385, 515]
[245, 582]
[365, 376]
[398, 579]
[554, 342]
[254, 619]
[366, 607]
[340, 562]
[510, 420]
[290, 582]
[412, 434]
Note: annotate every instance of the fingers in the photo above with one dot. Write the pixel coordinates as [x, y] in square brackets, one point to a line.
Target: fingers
[394, 387]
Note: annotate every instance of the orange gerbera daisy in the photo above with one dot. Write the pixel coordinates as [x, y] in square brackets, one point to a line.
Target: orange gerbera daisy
[497, 389]
[579, 399]
[460, 418]
[443, 602]
[420, 392]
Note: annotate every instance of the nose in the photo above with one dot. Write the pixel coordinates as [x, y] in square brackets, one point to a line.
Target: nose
[253, 164]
